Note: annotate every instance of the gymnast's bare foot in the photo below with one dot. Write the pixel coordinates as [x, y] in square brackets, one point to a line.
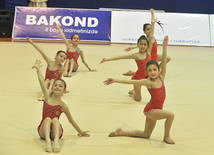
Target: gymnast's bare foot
[118, 132]
[66, 91]
[168, 140]
[48, 147]
[69, 74]
[129, 73]
[40, 99]
[131, 92]
[56, 146]
[65, 74]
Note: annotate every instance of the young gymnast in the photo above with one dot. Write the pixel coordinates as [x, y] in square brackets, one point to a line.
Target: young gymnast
[50, 127]
[153, 110]
[54, 70]
[73, 52]
[141, 58]
[154, 55]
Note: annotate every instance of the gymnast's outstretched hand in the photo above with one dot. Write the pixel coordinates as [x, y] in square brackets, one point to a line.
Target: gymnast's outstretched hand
[128, 49]
[103, 60]
[84, 134]
[108, 81]
[37, 64]
[29, 40]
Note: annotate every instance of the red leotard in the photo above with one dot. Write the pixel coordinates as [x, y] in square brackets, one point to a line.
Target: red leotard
[52, 74]
[154, 50]
[141, 72]
[158, 96]
[51, 111]
[74, 55]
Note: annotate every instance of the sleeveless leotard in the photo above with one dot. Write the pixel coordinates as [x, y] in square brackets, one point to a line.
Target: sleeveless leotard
[51, 111]
[154, 50]
[52, 74]
[158, 96]
[141, 73]
[74, 55]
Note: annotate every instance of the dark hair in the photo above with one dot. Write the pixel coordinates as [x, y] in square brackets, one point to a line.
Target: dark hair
[74, 35]
[143, 37]
[152, 62]
[145, 25]
[62, 81]
[61, 52]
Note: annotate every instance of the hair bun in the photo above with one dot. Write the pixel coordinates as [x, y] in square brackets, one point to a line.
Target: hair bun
[143, 36]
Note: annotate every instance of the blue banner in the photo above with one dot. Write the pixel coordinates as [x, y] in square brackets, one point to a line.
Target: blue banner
[41, 23]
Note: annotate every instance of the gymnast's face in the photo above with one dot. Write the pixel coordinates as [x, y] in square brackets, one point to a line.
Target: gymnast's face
[142, 45]
[75, 39]
[61, 57]
[153, 71]
[58, 87]
[147, 30]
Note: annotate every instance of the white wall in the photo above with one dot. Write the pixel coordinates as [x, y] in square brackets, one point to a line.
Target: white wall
[212, 29]
[182, 29]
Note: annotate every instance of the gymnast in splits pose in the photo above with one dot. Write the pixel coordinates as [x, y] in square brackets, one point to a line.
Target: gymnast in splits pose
[154, 109]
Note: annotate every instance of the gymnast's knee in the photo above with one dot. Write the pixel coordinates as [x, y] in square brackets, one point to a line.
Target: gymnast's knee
[52, 81]
[171, 115]
[47, 81]
[47, 120]
[72, 61]
[55, 120]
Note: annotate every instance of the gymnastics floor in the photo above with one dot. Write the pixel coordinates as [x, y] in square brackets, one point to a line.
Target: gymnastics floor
[102, 109]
